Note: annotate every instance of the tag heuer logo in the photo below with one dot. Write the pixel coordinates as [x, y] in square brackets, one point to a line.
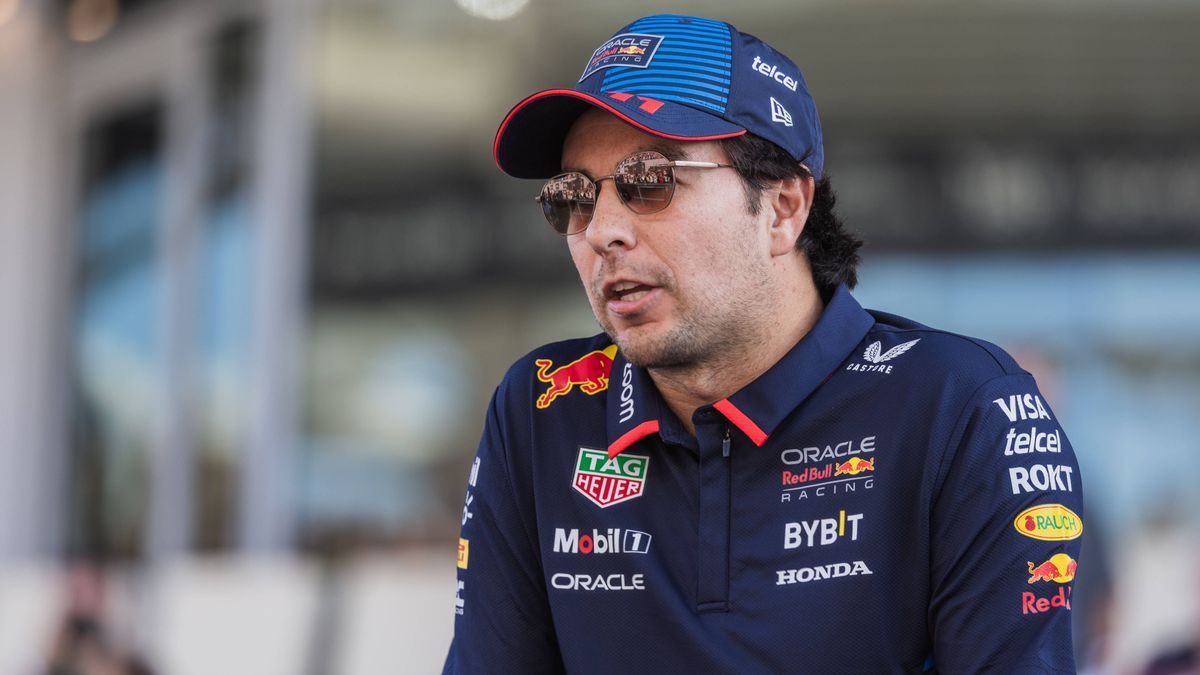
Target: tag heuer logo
[609, 481]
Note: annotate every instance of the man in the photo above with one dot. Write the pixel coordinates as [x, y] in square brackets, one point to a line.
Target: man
[746, 472]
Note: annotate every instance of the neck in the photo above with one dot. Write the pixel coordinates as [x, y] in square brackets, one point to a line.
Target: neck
[686, 388]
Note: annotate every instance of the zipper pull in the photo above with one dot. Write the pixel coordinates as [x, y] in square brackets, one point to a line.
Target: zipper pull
[725, 443]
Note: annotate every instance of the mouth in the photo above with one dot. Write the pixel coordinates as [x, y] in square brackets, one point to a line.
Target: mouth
[628, 297]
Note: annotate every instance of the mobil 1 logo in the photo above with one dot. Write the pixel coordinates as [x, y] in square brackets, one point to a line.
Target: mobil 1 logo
[599, 542]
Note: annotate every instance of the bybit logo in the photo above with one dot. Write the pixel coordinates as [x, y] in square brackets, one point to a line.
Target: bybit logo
[821, 532]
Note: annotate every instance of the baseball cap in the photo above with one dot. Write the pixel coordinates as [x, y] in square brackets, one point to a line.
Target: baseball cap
[678, 77]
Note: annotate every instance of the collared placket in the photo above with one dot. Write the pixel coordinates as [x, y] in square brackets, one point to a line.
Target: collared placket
[713, 438]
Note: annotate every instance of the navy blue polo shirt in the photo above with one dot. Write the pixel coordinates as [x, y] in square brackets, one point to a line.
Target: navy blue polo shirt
[887, 497]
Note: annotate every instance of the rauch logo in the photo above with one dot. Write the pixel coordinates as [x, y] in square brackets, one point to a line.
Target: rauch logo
[1049, 522]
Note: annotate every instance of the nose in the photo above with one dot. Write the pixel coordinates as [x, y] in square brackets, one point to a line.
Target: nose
[612, 223]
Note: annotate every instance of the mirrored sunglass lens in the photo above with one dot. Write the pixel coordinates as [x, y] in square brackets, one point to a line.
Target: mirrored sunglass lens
[568, 201]
[645, 182]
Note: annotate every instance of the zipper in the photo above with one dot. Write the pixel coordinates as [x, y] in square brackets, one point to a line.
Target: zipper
[725, 443]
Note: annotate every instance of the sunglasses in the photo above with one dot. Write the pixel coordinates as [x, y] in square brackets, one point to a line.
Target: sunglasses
[645, 183]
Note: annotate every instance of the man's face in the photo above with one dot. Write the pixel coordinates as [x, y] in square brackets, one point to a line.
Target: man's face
[681, 287]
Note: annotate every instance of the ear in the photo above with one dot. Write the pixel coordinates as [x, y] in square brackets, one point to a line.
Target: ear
[790, 204]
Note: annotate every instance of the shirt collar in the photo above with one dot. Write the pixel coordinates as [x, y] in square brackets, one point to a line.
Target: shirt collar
[634, 405]
[636, 410]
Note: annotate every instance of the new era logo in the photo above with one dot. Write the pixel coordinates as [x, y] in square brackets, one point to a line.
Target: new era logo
[872, 353]
[779, 114]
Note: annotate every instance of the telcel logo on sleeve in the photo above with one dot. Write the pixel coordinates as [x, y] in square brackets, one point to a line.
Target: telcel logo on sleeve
[1049, 522]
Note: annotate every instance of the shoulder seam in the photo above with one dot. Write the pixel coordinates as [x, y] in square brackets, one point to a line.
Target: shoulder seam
[981, 344]
[939, 476]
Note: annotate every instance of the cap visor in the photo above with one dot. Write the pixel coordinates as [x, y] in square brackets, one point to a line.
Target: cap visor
[529, 142]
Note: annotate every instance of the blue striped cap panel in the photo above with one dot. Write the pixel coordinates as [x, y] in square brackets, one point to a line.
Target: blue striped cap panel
[691, 64]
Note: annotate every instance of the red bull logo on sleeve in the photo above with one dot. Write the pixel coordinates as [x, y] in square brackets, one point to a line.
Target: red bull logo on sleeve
[854, 466]
[1060, 568]
[1032, 604]
[464, 552]
[608, 480]
[589, 372]
[1049, 522]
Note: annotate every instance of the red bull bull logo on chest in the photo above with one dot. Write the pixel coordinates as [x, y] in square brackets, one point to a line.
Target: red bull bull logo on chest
[589, 372]
[854, 466]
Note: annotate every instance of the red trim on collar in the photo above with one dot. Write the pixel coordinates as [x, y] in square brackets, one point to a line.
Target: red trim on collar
[632, 436]
[739, 419]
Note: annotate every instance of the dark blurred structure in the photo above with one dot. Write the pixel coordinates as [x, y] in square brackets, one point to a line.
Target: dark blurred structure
[261, 277]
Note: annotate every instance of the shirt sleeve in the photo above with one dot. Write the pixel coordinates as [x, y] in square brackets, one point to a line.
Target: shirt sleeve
[1006, 530]
[502, 620]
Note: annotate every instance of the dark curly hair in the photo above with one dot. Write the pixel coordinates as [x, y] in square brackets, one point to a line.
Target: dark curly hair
[831, 249]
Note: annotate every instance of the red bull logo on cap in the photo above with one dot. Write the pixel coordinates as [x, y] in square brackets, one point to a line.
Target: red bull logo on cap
[1049, 522]
[589, 372]
[629, 50]
[1060, 568]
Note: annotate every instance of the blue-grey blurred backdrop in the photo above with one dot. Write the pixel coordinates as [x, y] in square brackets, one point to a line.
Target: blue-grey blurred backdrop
[260, 276]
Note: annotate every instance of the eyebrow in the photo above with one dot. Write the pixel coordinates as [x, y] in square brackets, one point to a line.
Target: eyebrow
[671, 151]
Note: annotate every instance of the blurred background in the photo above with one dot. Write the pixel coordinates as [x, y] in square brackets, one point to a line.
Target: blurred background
[260, 277]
